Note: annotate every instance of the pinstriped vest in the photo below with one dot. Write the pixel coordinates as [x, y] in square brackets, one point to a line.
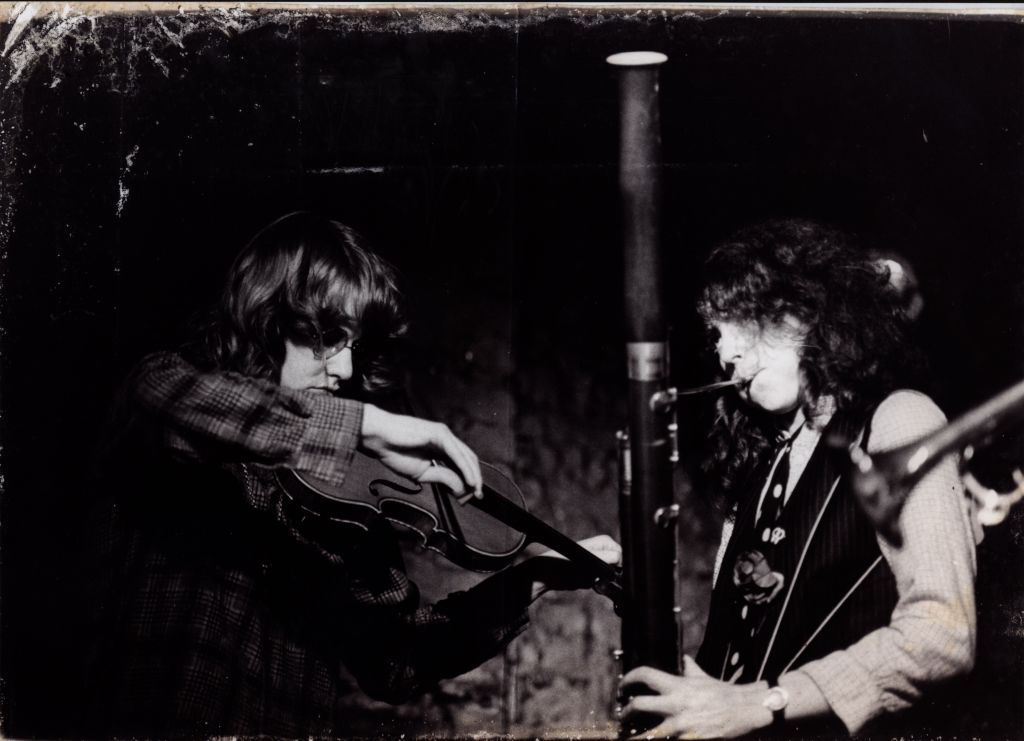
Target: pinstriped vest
[837, 586]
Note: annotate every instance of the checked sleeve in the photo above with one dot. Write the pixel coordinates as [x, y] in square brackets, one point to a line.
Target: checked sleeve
[223, 418]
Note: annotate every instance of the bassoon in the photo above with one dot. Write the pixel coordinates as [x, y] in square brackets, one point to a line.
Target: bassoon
[650, 625]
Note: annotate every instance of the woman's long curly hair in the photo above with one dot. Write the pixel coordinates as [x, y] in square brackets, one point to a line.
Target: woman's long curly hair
[854, 321]
[304, 278]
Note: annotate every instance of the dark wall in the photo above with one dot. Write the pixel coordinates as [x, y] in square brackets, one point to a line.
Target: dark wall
[477, 150]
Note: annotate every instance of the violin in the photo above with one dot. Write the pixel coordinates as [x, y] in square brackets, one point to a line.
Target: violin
[466, 537]
[485, 536]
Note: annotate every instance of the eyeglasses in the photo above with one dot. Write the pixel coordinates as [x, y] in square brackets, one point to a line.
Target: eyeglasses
[332, 342]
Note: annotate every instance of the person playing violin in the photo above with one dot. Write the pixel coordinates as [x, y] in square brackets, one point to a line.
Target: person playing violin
[818, 625]
[224, 611]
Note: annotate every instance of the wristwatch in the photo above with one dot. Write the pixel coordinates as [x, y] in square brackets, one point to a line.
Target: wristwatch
[776, 700]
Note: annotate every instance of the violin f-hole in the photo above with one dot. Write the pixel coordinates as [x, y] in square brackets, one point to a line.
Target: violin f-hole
[394, 486]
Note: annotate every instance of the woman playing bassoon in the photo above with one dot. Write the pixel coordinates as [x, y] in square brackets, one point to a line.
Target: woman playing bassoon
[817, 623]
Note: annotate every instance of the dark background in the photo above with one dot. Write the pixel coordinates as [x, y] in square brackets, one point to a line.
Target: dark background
[477, 150]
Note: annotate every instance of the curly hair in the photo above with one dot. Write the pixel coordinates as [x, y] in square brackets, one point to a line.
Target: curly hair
[304, 278]
[854, 321]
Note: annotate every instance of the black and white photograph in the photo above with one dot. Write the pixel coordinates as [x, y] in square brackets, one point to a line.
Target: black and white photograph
[511, 370]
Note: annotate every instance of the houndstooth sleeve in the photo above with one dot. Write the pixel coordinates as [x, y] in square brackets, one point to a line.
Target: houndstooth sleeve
[931, 635]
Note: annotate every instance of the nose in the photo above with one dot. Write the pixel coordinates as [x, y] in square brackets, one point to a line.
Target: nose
[339, 365]
[730, 347]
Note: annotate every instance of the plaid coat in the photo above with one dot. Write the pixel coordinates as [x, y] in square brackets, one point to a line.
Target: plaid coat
[218, 614]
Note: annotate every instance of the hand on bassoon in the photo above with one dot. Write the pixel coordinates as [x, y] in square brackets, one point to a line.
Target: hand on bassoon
[695, 705]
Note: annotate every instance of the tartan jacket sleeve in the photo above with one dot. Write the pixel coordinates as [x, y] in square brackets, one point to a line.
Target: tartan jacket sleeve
[225, 418]
[397, 647]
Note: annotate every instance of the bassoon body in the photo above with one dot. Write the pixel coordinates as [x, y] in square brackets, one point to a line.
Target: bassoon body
[650, 631]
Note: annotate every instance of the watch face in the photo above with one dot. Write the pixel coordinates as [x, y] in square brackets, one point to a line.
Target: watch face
[776, 699]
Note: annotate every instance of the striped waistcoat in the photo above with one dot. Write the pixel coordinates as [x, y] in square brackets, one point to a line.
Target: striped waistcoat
[837, 586]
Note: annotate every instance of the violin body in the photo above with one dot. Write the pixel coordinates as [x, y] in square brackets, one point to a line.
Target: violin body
[465, 535]
[484, 534]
